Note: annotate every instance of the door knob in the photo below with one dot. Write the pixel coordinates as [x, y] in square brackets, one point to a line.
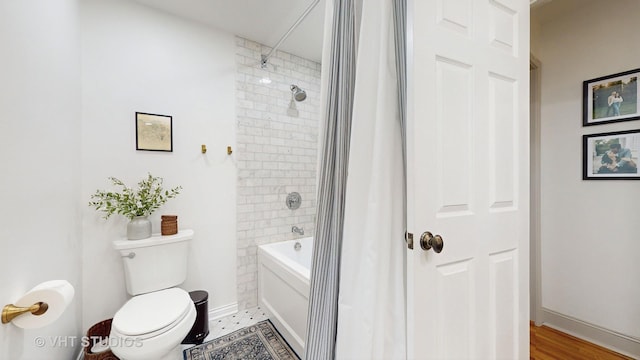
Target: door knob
[428, 241]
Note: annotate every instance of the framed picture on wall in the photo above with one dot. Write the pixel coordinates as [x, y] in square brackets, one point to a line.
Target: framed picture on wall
[609, 156]
[611, 98]
[154, 132]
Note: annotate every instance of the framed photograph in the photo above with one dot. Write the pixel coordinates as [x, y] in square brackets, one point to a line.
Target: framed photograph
[611, 156]
[154, 132]
[611, 99]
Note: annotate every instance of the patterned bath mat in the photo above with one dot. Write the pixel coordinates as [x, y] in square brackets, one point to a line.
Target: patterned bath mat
[256, 342]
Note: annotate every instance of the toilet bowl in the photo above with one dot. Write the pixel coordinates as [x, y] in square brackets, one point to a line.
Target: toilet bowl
[153, 323]
[152, 326]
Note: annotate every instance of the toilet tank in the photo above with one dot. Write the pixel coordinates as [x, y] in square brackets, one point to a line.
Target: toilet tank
[156, 263]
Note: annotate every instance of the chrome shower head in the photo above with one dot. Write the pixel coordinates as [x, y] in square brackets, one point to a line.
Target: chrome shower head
[298, 93]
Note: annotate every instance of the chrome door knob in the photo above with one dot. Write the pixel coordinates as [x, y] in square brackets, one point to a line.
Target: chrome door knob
[429, 241]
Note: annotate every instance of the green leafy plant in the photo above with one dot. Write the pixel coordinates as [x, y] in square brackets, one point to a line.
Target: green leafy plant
[129, 202]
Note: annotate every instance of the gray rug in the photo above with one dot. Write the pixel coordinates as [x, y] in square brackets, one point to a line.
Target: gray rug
[257, 342]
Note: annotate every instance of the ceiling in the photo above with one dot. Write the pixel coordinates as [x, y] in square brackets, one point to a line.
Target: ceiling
[264, 21]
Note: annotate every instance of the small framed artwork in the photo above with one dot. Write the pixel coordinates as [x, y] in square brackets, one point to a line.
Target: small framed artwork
[611, 155]
[611, 98]
[154, 132]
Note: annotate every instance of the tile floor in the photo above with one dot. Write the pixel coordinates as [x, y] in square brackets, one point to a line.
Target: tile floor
[231, 323]
[237, 321]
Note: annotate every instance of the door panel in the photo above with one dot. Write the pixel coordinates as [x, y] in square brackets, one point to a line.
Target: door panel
[502, 142]
[455, 14]
[504, 26]
[454, 330]
[468, 172]
[453, 116]
[503, 304]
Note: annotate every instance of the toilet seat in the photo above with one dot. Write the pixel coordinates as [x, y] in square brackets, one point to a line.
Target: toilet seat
[149, 315]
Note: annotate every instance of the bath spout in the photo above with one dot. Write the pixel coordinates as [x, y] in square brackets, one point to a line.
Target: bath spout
[297, 230]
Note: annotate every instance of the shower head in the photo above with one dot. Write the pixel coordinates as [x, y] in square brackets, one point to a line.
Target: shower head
[298, 93]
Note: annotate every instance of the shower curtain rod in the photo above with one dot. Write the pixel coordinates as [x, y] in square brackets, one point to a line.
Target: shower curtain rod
[265, 58]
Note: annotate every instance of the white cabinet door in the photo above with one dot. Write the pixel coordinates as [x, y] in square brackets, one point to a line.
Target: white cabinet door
[468, 164]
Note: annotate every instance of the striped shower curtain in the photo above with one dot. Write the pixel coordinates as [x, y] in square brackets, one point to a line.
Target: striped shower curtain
[338, 77]
[357, 301]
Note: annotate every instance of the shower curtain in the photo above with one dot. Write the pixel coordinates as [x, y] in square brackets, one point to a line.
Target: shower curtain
[371, 302]
[338, 77]
[357, 300]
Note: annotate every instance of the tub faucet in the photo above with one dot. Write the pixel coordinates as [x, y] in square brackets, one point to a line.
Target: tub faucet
[297, 230]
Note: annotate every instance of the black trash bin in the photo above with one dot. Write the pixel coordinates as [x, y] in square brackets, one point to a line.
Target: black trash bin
[200, 328]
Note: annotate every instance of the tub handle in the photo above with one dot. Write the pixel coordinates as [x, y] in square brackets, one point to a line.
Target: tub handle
[130, 255]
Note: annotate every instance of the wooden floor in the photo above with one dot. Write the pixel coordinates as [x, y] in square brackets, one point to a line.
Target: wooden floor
[548, 343]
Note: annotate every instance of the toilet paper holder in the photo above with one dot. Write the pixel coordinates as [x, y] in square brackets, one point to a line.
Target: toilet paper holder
[40, 306]
[10, 312]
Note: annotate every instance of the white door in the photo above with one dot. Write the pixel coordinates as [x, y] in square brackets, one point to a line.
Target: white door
[468, 166]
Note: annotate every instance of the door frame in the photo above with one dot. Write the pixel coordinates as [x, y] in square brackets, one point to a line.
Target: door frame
[535, 261]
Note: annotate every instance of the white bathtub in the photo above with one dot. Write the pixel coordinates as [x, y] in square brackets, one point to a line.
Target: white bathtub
[283, 288]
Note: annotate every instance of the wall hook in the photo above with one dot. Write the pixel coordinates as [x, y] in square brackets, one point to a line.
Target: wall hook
[204, 149]
[229, 150]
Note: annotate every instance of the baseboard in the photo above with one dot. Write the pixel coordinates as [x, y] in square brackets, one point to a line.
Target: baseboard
[223, 311]
[598, 335]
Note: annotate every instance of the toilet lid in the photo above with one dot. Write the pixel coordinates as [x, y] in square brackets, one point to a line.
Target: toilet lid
[152, 312]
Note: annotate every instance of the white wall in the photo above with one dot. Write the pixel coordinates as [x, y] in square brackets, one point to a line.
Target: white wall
[589, 228]
[137, 59]
[40, 154]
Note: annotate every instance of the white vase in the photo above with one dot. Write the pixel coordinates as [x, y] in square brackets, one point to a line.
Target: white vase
[139, 228]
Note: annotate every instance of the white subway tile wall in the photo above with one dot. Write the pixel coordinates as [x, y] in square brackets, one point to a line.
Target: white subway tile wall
[276, 154]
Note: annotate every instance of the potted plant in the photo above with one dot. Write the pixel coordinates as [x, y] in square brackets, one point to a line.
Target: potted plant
[135, 204]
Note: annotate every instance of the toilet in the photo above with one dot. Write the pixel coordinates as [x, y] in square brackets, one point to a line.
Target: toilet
[153, 323]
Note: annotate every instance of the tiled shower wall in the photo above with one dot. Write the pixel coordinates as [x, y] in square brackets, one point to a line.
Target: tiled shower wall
[276, 154]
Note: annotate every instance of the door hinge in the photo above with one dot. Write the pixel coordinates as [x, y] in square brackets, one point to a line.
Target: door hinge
[408, 238]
